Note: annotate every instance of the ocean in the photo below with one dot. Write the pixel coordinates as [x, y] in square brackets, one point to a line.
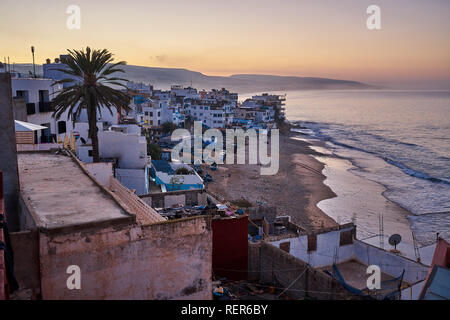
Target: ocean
[397, 139]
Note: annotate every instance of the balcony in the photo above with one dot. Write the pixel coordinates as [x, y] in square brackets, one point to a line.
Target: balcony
[45, 107]
[31, 108]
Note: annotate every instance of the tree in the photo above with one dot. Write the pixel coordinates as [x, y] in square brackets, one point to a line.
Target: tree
[90, 80]
[168, 127]
[154, 151]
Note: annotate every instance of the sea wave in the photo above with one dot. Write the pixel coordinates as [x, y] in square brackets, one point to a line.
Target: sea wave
[415, 173]
[318, 129]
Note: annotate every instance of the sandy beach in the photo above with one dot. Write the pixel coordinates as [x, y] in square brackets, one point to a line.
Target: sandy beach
[316, 188]
[294, 190]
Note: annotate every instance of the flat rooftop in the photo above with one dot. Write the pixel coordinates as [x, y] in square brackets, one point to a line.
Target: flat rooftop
[59, 194]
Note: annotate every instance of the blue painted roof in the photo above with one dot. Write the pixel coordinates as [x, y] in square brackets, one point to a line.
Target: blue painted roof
[162, 166]
[438, 285]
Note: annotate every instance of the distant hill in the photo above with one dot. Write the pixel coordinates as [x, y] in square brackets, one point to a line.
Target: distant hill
[242, 83]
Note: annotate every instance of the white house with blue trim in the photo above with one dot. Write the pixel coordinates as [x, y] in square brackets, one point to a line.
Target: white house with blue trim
[164, 174]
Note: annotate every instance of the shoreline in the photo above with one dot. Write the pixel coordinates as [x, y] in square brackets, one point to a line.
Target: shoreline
[295, 190]
[315, 200]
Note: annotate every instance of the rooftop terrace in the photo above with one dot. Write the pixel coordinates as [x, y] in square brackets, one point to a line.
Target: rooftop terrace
[58, 193]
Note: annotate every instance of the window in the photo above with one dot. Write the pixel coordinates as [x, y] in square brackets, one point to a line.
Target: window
[90, 153]
[61, 127]
[346, 237]
[312, 242]
[159, 113]
[151, 113]
[31, 108]
[285, 246]
[146, 113]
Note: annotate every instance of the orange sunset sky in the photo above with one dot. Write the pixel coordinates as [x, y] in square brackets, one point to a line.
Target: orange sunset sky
[322, 38]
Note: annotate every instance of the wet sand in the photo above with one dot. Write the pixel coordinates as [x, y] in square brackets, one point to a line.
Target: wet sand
[361, 201]
[294, 190]
[317, 189]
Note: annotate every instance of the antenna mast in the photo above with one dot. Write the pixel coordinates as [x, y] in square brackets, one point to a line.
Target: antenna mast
[381, 231]
[34, 66]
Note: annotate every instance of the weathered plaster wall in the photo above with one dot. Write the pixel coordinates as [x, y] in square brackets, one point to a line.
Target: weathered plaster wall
[102, 171]
[390, 263]
[327, 247]
[170, 260]
[20, 109]
[26, 260]
[285, 271]
[183, 197]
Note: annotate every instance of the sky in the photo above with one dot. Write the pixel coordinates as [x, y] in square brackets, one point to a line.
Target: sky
[317, 38]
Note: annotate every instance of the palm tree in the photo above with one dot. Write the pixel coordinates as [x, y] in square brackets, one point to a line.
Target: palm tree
[89, 78]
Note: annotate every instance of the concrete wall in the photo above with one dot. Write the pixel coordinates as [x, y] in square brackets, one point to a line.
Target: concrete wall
[8, 153]
[327, 244]
[25, 246]
[20, 109]
[390, 263]
[170, 260]
[26, 220]
[278, 268]
[254, 270]
[183, 197]
[129, 149]
[102, 171]
[135, 179]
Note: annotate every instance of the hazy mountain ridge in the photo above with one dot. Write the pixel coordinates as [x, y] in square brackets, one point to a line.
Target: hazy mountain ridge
[165, 77]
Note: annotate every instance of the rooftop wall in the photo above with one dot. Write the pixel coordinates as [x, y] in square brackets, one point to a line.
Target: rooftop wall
[328, 245]
[276, 267]
[329, 250]
[169, 260]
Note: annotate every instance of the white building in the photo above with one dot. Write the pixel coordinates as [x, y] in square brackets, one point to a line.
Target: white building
[38, 93]
[126, 148]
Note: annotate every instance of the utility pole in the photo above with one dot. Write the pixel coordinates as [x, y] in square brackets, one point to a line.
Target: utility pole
[34, 66]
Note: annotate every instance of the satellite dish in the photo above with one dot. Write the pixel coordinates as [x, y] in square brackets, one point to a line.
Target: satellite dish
[394, 240]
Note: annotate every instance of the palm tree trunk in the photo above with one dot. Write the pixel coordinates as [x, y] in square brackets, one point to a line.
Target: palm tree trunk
[92, 118]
